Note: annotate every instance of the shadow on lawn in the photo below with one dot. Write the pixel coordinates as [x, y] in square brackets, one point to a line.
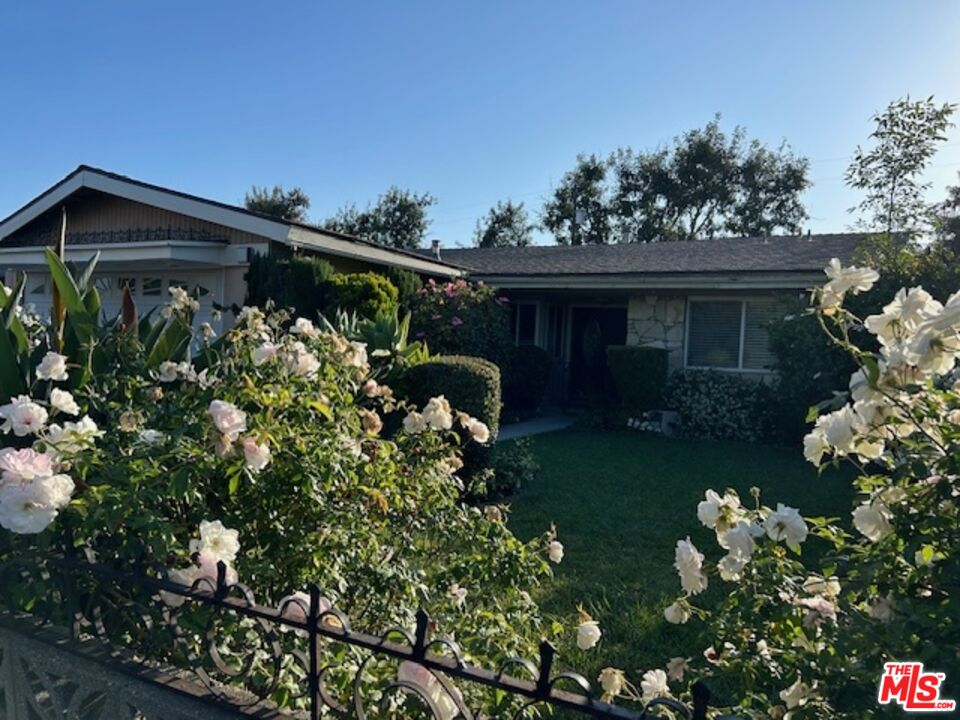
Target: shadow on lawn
[620, 501]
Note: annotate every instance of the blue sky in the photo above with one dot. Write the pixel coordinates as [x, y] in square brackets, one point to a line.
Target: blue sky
[473, 102]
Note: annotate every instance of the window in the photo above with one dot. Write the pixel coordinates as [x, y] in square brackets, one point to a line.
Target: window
[525, 323]
[729, 334]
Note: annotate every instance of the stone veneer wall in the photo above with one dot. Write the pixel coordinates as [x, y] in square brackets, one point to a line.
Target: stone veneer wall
[657, 321]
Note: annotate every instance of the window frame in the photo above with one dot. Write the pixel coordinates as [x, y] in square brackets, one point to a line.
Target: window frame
[743, 300]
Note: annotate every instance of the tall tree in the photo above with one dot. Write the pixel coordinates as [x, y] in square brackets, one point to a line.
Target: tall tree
[578, 213]
[890, 173]
[284, 204]
[706, 183]
[398, 218]
[504, 225]
[946, 220]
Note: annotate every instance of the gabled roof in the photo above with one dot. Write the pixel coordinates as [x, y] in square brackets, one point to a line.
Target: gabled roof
[289, 233]
[778, 254]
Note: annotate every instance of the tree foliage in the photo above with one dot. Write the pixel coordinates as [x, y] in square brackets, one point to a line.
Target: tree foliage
[289, 205]
[398, 219]
[947, 220]
[706, 183]
[506, 224]
[579, 211]
[905, 139]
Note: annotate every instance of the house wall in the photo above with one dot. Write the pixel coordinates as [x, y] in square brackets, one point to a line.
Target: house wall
[658, 321]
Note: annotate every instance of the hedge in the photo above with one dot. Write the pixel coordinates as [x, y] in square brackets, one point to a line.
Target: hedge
[470, 384]
[721, 406]
[526, 375]
[298, 282]
[367, 294]
[312, 287]
[639, 375]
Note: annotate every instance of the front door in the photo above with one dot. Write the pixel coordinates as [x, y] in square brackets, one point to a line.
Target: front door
[592, 330]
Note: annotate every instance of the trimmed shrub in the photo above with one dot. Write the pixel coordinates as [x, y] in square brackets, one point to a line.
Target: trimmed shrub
[639, 375]
[721, 406]
[298, 282]
[470, 384]
[407, 283]
[526, 375]
[462, 318]
[367, 294]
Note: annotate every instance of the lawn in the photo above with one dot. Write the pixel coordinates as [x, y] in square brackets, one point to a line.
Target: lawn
[621, 500]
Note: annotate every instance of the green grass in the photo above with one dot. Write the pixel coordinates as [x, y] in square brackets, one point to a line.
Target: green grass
[621, 500]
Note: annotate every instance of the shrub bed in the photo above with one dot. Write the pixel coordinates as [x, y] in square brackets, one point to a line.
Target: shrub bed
[720, 406]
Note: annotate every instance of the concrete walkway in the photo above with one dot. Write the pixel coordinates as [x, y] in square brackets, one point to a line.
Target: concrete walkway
[545, 424]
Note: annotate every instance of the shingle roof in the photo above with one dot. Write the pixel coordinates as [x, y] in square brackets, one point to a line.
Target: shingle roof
[801, 253]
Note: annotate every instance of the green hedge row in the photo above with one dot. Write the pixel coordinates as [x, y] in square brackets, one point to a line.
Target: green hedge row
[312, 286]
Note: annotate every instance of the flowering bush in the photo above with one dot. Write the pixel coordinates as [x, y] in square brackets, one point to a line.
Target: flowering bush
[266, 451]
[462, 318]
[720, 406]
[806, 634]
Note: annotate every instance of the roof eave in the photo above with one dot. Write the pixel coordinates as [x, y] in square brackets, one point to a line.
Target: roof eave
[723, 280]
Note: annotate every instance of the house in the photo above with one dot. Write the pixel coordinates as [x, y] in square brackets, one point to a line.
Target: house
[706, 302]
[151, 238]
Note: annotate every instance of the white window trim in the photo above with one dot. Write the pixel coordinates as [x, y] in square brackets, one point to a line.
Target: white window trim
[743, 300]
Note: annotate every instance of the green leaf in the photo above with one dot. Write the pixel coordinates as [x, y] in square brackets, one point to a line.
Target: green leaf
[72, 299]
[322, 408]
[11, 378]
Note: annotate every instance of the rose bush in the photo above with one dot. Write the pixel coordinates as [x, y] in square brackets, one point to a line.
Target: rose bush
[265, 450]
[813, 607]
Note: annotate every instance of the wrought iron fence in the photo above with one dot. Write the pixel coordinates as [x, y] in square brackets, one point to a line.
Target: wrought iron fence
[196, 627]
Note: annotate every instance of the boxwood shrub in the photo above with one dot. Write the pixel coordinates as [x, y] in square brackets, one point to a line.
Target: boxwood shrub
[639, 375]
[472, 385]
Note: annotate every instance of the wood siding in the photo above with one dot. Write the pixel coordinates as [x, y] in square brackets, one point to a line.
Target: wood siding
[101, 218]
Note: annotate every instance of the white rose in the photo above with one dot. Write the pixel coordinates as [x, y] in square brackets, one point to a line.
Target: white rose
[676, 613]
[872, 519]
[230, 420]
[611, 680]
[167, 371]
[53, 367]
[63, 401]
[457, 594]
[689, 564]
[185, 576]
[797, 694]
[264, 353]
[256, 455]
[437, 413]
[718, 512]
[303, 326]
[814, 447]
[653, 684]
[478, 430]
[850, 279]
[786, 524]
[357, 354]
[414, 423]
[23, 416]
[217, 541]
[676, 668]
[555, 551]
[27, 508]
[20, 466]
[588, 634]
